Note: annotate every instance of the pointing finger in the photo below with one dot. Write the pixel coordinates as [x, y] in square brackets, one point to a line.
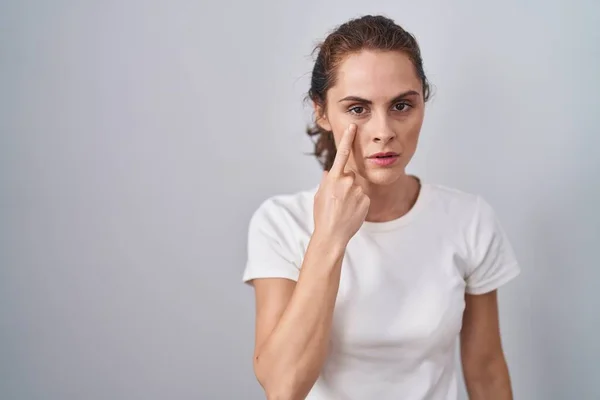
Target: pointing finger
[343, 151]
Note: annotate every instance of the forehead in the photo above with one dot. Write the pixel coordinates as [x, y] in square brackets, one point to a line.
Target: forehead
[376, 75]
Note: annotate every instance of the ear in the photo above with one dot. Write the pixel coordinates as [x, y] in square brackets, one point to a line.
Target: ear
[321, 117]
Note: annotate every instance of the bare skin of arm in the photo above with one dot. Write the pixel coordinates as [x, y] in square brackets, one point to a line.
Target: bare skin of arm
[484, 366]
[293, 323]
[293, 319]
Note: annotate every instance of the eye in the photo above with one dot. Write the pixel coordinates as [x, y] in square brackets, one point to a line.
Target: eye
[402, 107]
[356, 110]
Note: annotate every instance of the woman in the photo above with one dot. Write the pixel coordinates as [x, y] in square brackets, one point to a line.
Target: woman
[364, 284]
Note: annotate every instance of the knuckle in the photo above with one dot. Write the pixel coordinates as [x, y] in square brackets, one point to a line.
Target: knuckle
[348, 181]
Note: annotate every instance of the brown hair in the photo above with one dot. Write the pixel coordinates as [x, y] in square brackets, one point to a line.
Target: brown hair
[368, 32]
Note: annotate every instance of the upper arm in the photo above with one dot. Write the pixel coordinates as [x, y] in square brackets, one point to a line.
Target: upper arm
[480, 341]
[272, 266]
[484, 367]
[271, 246]
[272, 296]
[491, 261]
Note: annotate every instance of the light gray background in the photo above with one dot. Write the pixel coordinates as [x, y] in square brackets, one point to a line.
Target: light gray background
[137, 138]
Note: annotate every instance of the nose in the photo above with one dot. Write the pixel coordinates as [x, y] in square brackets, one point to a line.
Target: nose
[383, 132]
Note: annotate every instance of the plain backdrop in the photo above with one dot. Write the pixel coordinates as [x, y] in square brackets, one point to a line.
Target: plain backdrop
[138, 137]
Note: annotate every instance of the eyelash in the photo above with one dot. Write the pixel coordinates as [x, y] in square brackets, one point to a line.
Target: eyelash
[408, 106]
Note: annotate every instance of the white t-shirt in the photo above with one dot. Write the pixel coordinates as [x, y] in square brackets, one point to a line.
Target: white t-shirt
[400, 302]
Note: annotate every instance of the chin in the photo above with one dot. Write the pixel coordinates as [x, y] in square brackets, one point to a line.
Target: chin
[383, 176]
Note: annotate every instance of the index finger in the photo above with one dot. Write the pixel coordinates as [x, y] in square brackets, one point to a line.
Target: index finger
[343, 151]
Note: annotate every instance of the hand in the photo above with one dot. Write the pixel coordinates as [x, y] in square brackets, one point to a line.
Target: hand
[340, 205]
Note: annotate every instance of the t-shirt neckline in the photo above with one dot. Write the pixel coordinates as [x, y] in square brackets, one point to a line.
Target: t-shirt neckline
[422, 198]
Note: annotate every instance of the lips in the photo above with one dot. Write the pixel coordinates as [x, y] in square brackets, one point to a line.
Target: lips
[388, 154]
[383, 159]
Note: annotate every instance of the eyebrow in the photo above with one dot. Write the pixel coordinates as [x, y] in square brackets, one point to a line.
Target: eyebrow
[395, 99]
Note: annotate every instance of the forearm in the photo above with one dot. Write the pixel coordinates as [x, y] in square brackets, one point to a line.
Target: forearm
[289, 361]
[490, 383]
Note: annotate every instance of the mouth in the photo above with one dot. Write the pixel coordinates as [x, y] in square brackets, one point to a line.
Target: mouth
[383, 159]
[388, 154]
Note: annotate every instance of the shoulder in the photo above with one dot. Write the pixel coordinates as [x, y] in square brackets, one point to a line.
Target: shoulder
[291, 210]
[469, 212]
[277, 234]
[488, 260]
[453, 202]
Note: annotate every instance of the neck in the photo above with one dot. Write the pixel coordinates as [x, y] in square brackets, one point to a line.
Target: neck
[389, 202]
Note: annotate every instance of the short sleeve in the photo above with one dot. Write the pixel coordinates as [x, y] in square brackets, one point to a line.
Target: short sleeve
[268, 256]
[492, 258]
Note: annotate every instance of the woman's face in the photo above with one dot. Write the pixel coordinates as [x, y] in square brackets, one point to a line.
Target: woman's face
[382, 95]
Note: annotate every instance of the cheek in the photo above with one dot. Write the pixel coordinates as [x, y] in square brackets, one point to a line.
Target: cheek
[410, 129]
[411, 133]
[339, 122]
